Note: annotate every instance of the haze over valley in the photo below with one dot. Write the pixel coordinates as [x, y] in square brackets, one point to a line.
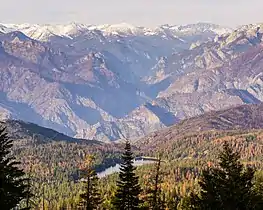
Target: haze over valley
[111, 82]
[131, 105]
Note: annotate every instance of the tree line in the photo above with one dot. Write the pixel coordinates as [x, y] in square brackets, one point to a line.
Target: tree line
[226, 184]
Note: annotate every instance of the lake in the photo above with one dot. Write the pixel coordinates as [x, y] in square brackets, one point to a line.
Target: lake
[116, 168]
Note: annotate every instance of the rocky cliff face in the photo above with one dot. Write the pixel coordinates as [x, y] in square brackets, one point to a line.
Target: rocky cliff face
[114, 82]
[234, 78]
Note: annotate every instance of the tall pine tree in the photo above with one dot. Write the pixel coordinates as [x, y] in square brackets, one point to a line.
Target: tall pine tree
[13, 184]
[90, 198]
[229, 186]
[128, 188]
[155, 196]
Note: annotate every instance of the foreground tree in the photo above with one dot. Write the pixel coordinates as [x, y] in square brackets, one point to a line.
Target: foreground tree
[155, 195]
[90, 198]
[13, 184]
[228, 186]
[128, 188]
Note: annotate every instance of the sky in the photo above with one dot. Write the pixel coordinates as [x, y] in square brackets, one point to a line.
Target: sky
[138, 12]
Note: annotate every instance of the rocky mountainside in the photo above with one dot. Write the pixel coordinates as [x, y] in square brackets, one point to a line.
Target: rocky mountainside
[225, 73]
[83, 80]
[240, 118]
[119, 81]
[214, 75]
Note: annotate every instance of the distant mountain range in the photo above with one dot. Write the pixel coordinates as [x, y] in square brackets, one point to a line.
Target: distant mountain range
[46, 32]
[119, 81]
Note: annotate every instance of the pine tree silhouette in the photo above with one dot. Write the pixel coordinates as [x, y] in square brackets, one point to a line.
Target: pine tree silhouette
[229, 186]
[13, 184]
[155, 195]
[90, 198]
[128, 188]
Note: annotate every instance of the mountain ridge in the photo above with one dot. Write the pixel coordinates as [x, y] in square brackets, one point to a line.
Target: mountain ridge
[240, 118]
[72, 29]
[113, 87]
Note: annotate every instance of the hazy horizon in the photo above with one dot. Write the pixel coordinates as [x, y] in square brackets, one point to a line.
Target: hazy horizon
[147, 13]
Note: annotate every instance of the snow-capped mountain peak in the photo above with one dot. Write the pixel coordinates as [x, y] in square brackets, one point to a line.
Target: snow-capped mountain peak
[45, 31]
[197, 28]
[71, 30]
[4, 29]
[121, 28]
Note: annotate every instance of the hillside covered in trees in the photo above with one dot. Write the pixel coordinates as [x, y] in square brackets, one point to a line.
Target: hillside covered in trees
[54, 163]
[240, 118]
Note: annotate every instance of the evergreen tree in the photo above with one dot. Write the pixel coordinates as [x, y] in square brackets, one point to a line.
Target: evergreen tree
[155, 195]
[258, 189]
[90, 199]
[28, 202]
[128, 188]
[13, 184]
[229, 186]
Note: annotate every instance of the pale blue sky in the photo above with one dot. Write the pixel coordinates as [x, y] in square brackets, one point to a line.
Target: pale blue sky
[138, 12]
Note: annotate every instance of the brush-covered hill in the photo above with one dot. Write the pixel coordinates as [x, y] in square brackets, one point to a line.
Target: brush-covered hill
[201, 129]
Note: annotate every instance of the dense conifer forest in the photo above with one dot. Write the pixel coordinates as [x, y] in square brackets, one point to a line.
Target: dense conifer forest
[195, 172]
